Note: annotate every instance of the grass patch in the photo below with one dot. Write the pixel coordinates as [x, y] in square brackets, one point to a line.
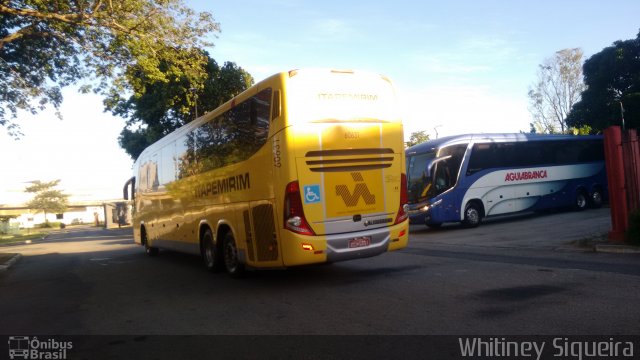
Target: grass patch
[591, 241]
[23, 235]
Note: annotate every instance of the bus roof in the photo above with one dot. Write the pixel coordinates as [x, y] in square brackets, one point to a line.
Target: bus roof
[253, 89]
[491, 137]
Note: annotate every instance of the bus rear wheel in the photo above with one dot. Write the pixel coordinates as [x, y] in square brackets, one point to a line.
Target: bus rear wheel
[472, 215]
[596, 199]
[231, 261]
[581, 201]
[210, 255]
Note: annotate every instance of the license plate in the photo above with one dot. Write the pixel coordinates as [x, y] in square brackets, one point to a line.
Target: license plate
[360, 242]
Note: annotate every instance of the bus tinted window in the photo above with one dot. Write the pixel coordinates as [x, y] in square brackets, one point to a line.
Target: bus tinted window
[167, 173]
[417, 176]
[232, 137]
[485, 156]
[533, 153]
[446, 172]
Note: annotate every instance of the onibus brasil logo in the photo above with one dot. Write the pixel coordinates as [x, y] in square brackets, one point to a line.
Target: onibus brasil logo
[25, 347]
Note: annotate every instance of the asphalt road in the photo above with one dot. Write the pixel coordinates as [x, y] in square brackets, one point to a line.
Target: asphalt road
[521, 275]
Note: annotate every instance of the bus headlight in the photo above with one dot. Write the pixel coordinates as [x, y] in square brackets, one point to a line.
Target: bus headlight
[433, 205]
[425, 208]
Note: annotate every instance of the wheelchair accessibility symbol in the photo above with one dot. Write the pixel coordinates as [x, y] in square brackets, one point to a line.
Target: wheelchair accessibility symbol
[311, 194]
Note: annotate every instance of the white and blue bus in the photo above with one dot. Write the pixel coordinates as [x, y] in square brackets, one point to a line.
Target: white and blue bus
[465, 178]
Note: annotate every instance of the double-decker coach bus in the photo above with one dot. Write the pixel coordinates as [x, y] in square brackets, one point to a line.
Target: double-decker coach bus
[468, 177]
[304, 167]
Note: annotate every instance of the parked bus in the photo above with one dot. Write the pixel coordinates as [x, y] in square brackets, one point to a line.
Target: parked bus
[468, 177]
[304, 167]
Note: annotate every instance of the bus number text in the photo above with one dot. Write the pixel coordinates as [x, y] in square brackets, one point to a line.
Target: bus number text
[277, 161]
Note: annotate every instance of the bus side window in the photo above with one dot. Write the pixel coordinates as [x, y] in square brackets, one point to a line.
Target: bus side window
[253, 112]
[478, 161]
[275, 106]
[457, 154]
[153, 172]
[442, 177]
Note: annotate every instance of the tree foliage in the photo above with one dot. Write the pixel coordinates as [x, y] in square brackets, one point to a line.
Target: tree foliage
[612, 77]
[47, 45]
[416, 137]
[159, 107]
[47, 199]
[557, 88]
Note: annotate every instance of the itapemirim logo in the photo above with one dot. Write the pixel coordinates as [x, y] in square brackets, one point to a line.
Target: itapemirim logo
[360, 191]
[25, 347]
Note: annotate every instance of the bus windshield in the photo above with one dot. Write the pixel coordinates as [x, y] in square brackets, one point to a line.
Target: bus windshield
[418, 177]
[432, 173]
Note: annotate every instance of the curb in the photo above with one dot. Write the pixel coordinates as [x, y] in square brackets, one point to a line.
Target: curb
[7, 264]
[617, 249]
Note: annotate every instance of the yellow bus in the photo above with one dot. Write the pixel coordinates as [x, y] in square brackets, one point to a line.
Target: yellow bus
[304, 167]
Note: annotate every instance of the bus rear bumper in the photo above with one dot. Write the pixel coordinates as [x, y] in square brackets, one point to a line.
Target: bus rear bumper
[348, 246]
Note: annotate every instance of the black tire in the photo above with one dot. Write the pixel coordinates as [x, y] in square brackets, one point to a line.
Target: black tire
[232, 263]
[472, 215]
[210, 254]
[596, 199]
[150, 250]
[581, 201]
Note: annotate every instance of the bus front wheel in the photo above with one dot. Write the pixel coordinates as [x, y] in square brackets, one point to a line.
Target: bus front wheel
[231, 262]
[472, 215]
[149, 250]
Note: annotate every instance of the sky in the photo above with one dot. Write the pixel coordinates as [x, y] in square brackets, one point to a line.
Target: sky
[458, 67]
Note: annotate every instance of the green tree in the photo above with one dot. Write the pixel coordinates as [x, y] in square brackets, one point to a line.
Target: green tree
[46, 45]
[555, 91]
[159, 107]
[612, 77]
[47, 199]
[416, 137]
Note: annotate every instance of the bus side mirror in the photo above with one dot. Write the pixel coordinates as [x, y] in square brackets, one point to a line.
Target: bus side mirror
[125, 191]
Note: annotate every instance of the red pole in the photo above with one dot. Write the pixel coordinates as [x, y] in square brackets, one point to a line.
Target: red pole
[615, 178]
[632, 162]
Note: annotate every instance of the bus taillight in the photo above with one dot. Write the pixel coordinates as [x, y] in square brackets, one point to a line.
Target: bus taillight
[404, 199]
[294, 219]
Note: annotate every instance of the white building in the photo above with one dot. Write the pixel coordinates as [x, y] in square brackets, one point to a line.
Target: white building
[114, 212]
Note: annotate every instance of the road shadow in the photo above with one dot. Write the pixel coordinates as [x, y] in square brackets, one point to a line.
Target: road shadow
[496, 220]
[328, 274]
